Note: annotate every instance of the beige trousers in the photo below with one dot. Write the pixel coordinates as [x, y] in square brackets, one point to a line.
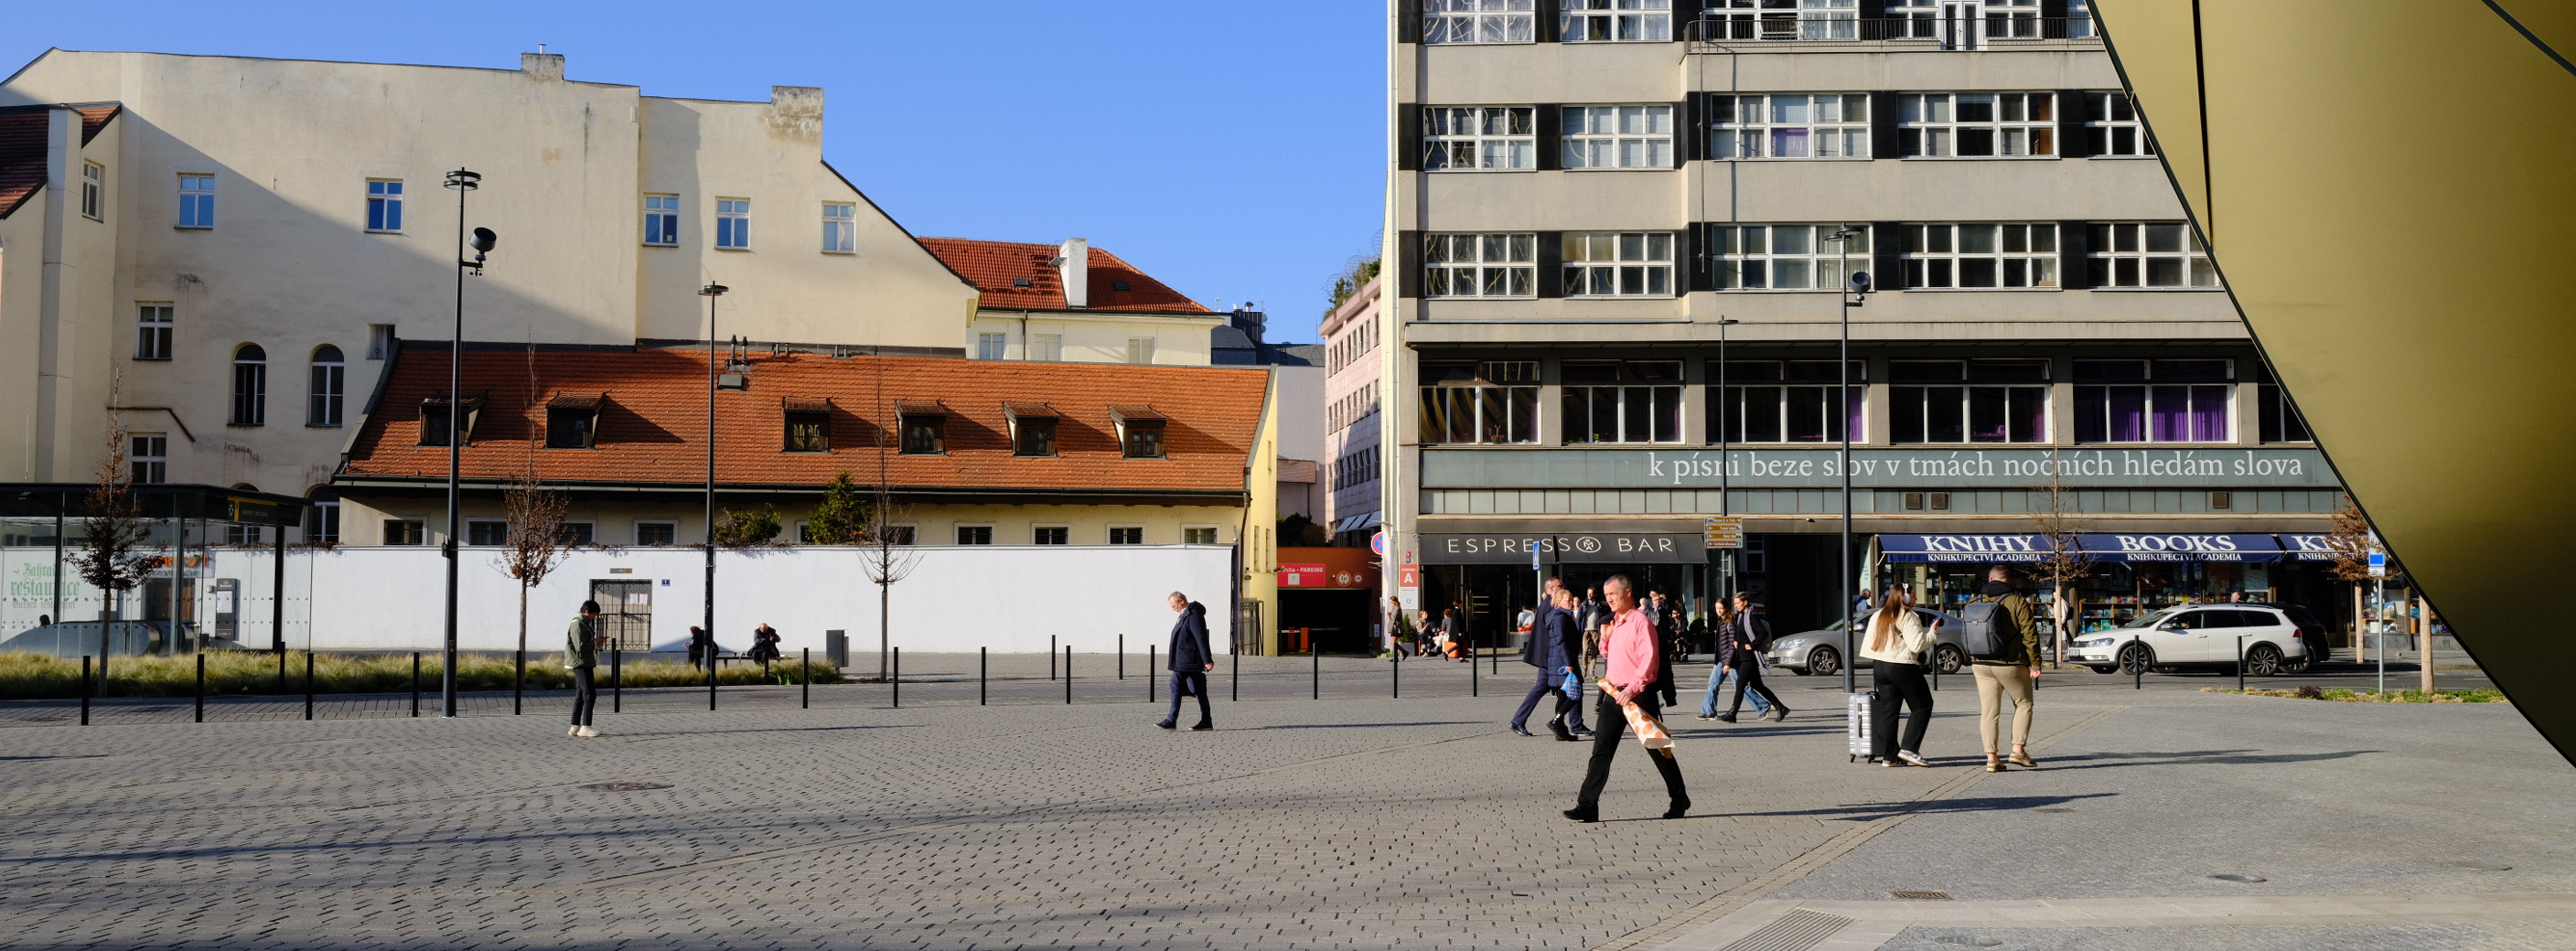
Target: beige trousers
[1993, 683]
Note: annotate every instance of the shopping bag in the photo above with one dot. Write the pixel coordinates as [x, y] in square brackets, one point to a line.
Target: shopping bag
[1650, 731]
[1573, 688]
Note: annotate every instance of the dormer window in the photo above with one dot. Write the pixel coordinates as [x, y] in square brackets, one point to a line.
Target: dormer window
[1032, 429]
[1019, 282]
[925, 427]
[434, 418]
[809, 425]
[572, 420]
[1140, 431]
[1119, 286]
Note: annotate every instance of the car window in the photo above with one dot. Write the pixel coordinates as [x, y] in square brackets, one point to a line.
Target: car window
[2189, 620]
[2262, 618]
[2220, 618]
[2156, 619]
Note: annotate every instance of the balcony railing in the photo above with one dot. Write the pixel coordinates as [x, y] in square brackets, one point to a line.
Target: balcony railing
[1994, 31]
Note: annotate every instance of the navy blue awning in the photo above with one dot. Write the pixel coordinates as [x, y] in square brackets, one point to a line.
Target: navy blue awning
[1963, 548]
[2140, 547]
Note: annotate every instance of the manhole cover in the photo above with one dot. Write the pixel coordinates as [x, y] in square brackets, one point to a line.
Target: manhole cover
[2246, 879]
[1922, 896]
[2480, 866]
[2053, 810]
[628, 786]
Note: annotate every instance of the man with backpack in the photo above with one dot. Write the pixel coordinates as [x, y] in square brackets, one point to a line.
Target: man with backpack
[2003, 648]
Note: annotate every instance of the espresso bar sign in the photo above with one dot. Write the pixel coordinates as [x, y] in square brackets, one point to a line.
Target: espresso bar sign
[1591, 548]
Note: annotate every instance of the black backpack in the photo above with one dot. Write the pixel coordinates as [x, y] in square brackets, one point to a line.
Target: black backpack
[1989, 633]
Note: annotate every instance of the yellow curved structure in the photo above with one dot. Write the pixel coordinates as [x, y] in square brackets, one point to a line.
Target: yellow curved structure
[2390, 192]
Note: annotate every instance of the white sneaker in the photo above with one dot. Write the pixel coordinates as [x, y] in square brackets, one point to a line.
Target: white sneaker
[585, 731]
[1911, 758]
[572, 731]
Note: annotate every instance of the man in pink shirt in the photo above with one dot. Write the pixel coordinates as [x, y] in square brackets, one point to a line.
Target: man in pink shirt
[1629, 645]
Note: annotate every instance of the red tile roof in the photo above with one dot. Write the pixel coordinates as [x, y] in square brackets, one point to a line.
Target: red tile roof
[22, 150]
[652, 422]
[994, 265]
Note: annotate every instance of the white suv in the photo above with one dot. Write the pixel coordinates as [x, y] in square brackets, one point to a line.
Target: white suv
[2200, 636]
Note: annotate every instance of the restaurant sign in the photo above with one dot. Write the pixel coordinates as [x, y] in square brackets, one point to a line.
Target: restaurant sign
[2143, 547]
[1596, 548]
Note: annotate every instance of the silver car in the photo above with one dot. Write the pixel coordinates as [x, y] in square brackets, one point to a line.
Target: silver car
[1820, 652]
[2204, 637]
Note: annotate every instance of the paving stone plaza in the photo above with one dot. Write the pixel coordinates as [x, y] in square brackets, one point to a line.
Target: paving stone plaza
[1353, 821]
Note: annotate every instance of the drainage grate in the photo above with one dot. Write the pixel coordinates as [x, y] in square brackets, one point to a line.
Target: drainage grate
[1797, 931]
[2053, 810]
[2246, 879]
[1922, 896]
[628, 786]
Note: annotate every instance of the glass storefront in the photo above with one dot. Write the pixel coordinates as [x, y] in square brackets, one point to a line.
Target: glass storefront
[215, 574]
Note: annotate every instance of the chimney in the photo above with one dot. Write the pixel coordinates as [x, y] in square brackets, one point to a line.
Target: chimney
[542, 65]
[1074, 266]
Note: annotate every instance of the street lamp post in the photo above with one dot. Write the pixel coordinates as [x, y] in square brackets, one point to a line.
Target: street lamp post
[712, 291]
[1725, 404]
[462, 181]
[1855, 286]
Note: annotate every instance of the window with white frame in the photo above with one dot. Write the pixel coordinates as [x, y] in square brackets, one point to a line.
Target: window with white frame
[1618, 263]
[974, 534]
[1479, 21]
[1615, 21]
[1971, 401]
[1480, 265]
[1786, 257]
[662, 220]
[570, 534]
[840, 228]
[2154, 400]
[2277, 419]
[733, 224]
[153, 326]
[1976, 125]
[1789, 126]
[1786, 401]
[1981, 255]
[1198, 535]
[329, 375]
[1046, 346]
[406, 531]
[1051, 535]
[657, 534]
[1126, 534]
[149, 457]
[1479, 138]
[1781, 20]
[93, 195]
[489, 532]
[250, 386]
[1613, 401]
[1639, 136]
[1489, 402]
[992, 346]
[196, 201]
[2013, 19]
[384, 204]
[2111, 126]
[1140, 350]
[2148, 254]
[323, 525]
[380, 341]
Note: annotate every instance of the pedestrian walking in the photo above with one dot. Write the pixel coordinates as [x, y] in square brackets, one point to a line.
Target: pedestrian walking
[1719, 675]
[1632, 653]
[2011, 669]
[1741, 649]
[1191, 661]
[1895, 646]
[698, 648]
[1553, 647]
[581, 655]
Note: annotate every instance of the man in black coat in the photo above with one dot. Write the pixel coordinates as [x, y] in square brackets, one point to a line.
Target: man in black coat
[1191, 661]
[1555, 645]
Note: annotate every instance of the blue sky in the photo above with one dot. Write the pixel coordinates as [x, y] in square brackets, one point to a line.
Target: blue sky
[1234, 150]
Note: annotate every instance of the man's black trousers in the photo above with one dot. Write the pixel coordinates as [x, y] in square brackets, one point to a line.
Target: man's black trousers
[1605, 744]
[1748, 676]
[1890, 684]
[1548, 683]
[585, 696]
[1194, 683]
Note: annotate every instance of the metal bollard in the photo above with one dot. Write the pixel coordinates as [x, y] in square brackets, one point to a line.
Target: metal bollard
[1150, 667]
[711, 671]
[1317, 681]
[983, 670]
[806, 700]
[201, 685]
[1395, 674]
[1050, 657]
[518, 682]
[1237, 687]
[2240, 663]
[1471, 665]
[1122, 656]
[897, 682]
[308, 683]
[84, 689]
[2140, 656]
[415, 685]
[617, 679]
[1068, 674]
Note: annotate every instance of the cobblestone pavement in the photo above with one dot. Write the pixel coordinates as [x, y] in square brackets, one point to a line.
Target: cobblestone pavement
[1359, 821]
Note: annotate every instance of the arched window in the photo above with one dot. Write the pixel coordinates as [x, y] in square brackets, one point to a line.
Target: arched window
[322, 403]
[250, 386]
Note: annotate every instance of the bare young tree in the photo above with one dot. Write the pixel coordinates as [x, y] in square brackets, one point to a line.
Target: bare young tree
[2063, 561]
[535, 545]
[2348, 542]
[885, 562]
[110, 558]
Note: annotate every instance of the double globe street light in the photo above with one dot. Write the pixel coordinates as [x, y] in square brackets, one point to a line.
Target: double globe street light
[462, 181]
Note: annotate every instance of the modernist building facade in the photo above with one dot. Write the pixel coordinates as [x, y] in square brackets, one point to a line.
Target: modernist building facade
[1617, 238]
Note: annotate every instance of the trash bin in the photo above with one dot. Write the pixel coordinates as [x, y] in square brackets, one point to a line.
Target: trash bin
[836, 646]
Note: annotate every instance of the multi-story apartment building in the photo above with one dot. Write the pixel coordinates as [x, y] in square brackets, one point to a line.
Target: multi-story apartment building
[1618, 231]
[1353, 384]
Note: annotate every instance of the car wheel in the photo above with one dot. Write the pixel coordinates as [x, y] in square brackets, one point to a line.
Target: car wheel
[2135, 658]
[2104, 668]
[1825, 662]
[1948, 659]
[2264, 660]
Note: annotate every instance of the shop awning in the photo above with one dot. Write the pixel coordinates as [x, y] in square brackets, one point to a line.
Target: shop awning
[1355, 523]
[2307, 547]
[2141, 547]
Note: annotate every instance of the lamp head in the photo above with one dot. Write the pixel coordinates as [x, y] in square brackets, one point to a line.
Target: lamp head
[713, 290]
[1844, 234]
[483, 241]
[463, 180]
[1860, 282]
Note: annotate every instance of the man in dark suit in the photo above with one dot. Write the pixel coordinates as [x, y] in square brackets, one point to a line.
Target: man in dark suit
[1191, 660]
[1547, 651]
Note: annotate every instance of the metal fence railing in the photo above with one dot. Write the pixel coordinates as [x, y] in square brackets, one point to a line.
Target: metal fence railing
[1995, 30]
